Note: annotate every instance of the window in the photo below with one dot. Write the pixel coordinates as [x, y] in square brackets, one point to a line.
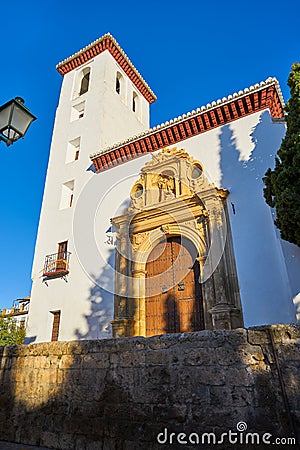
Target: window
[119, 83]
[77, 111]
[66, 199]
[85, 81]
[62, 256]
[82, 82]
[62, 249]
[73, 150]
[134, 102]
[196, 171]
[55, 325]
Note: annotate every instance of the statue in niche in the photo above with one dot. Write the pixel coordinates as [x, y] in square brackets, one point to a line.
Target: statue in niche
[166, 187]
[122, 307]
[137, 197]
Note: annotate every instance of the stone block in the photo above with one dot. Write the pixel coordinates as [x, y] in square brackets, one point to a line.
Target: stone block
[93, 445]
[139, 343]
[242, 355]
[40, 362]
[114, 358]
[28, 362]
[257, 336]
[241, 396]
[210, 375]
[200, 395]
[36, 349]
[56, 348]
[78, 347]
[80, 443]
[49, 439]
[66, 362]
[110, 444]
[176, 358]
[176, 412]
[288, 352]
[199, 356]
[5, 363]
[132, 359]
[66, 441]
[95, 361]
[163, 341]
[61, 376]
[239, 376]
[220, 395]
[48, 376]
[237, 337]
[157, 358]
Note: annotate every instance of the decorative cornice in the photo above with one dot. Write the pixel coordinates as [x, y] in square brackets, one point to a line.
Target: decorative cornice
[107, 42]
[265, 95]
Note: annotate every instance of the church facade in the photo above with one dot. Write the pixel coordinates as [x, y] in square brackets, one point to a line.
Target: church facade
[146, 231]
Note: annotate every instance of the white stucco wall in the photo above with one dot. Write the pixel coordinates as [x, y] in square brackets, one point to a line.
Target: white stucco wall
[235, 157]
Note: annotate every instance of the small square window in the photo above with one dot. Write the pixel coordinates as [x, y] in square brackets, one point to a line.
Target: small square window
[77, 111]
[67, 196]
[73, 150]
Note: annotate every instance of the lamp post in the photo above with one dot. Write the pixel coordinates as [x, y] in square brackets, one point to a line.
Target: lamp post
[15, 119]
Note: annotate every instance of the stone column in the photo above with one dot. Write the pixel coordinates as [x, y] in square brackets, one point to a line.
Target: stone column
[138, 312]
[221, 307]
[121, 322]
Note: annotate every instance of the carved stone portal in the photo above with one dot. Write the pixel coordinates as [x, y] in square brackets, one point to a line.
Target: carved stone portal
[173, 199]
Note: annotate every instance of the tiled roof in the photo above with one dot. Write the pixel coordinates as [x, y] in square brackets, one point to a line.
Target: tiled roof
[265, 95]
[108, 42]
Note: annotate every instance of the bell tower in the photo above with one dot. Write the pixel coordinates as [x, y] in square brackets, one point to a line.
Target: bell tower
[103, 100]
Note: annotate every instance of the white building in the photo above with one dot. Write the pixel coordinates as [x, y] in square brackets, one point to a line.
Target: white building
[19, 311]
[186, 194]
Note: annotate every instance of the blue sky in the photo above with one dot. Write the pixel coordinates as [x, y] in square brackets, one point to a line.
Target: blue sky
[190, 53]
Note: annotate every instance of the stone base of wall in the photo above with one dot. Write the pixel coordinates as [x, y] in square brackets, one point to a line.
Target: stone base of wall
[124, 393]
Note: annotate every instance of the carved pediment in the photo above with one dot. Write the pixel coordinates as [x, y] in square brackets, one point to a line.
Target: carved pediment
[172, 173]
[165, 155]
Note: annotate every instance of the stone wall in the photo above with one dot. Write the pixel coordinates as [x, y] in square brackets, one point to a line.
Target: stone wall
[121, 393]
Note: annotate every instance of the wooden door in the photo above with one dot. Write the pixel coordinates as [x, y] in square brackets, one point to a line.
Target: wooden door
[173, 293]
[62, 256]
[55, 326]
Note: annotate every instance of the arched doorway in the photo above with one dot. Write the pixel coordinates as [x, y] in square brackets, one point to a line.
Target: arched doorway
[173, 299]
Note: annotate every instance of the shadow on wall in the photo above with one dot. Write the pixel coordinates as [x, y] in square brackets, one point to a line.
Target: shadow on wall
[262, 276]
[101, 296]
[121, 393]
[101, 304]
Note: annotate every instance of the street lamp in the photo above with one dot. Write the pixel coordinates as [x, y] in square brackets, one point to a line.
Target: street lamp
[15, 119]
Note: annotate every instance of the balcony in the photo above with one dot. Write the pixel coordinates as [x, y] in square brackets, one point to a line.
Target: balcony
[57, 265]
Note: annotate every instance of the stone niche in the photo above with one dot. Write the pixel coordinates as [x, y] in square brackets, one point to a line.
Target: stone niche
[173, 198]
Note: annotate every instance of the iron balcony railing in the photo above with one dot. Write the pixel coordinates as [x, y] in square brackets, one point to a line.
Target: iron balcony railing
[57, 264]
